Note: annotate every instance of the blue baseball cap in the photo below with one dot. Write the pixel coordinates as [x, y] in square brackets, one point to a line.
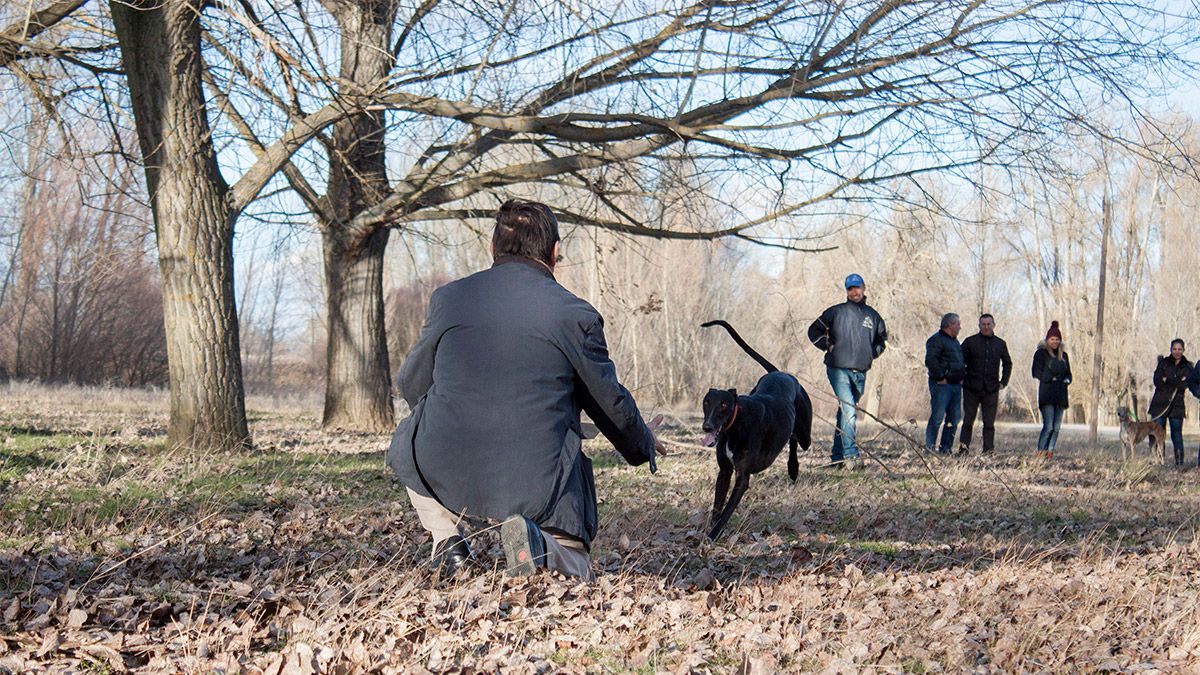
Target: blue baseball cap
[854, 280]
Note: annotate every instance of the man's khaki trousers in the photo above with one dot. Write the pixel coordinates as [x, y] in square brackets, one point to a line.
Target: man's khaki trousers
[563, 554]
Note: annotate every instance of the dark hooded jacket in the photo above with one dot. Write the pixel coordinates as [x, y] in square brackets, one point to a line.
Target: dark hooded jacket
[851, 334]
[1053, 375]
[505, 363]
[1170, 388]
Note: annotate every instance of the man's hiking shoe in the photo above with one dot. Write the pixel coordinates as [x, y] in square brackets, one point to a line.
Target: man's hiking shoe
[451, 555]
[524, 547]
[856, 464]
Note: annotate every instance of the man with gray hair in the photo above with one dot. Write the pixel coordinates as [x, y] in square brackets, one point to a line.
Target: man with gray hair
[944, 360]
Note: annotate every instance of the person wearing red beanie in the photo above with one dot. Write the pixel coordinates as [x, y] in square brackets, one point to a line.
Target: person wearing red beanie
[1052, 370]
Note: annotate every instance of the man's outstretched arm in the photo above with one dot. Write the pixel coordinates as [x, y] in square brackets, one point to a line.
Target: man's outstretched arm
[606, 400]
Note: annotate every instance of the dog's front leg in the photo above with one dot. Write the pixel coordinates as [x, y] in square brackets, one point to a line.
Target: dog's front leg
[724, 473]
[739, 488]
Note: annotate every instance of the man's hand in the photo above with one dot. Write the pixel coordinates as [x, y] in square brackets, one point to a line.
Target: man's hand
[942, 381]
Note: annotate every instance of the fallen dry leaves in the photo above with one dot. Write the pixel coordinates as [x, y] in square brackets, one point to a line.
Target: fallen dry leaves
[305, 558]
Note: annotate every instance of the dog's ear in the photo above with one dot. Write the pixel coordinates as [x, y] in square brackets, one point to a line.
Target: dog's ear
[733, 392]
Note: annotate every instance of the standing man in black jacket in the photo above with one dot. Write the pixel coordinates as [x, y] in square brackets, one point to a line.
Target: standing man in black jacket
[988, 369]
[944, 361]
[852, 335]
[505, 363]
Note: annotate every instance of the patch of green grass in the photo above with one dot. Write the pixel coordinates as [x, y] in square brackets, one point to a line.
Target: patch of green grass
[89, 665]
[29, 452]
[880, 547]
[845, 523]
[1042, 516]
[606, 460]
[78, 506]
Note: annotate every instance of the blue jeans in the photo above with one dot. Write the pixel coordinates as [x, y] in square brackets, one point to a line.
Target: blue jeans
[1051, 424]
[1176, 427]
[848, 386]
[945, 404]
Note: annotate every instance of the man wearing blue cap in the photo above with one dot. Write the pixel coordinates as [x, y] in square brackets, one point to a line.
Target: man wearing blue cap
[852, 335]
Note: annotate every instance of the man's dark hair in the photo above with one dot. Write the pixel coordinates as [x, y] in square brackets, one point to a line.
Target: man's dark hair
[1179, 342]
[526, 229]
[949, 319]
[987, 316]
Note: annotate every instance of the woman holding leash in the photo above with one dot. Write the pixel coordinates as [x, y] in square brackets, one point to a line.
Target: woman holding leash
[1052, 370]
[1170, 385]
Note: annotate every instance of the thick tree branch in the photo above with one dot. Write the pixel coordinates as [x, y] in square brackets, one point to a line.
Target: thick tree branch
[19, 33]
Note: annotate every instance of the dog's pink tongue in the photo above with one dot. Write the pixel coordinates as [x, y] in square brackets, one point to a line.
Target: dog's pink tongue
[710, 439]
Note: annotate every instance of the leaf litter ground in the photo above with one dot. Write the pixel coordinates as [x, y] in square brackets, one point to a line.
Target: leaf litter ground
[304, 556]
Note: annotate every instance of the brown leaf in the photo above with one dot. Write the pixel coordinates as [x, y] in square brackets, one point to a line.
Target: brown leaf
[10, 613]
[50, 643]
[106, 654]
[704, 579]
[76, 618]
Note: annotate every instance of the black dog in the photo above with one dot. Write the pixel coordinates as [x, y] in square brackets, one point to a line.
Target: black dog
[750, 431]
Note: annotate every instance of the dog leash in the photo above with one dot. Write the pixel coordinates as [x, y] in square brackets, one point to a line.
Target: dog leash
[1166, 408]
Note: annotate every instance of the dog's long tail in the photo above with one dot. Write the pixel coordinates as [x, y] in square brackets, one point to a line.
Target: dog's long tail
[742, 343]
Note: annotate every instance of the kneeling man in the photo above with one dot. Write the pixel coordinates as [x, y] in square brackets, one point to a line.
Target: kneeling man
[505, 362]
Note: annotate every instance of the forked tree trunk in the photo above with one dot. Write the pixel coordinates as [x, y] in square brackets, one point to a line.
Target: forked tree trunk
[358, 392]
[193, 221]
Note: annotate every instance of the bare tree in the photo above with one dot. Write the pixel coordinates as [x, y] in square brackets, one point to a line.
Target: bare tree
[787, 109]
[795, 105]
[194, 208]
[86, 307]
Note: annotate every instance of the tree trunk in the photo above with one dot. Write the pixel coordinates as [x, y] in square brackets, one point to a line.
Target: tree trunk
[193, 222]
[358, 392]
[1098, 357]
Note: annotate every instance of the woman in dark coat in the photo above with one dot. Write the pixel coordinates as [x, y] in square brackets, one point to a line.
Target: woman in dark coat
[1052, 370]
[1168, 406]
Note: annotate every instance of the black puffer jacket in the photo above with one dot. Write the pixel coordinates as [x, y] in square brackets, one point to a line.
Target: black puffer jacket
[988, 364]
[944, 358]
[851, 334]
[1053, 374]
[1170, 388]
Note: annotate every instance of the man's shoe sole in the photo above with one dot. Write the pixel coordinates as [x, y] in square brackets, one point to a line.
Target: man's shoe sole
[521, 556]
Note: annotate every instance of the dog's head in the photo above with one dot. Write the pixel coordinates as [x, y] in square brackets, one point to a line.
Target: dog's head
[719, 407]
[1122, 413]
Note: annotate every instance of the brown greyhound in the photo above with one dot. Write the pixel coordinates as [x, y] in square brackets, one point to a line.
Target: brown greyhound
[1132, 433]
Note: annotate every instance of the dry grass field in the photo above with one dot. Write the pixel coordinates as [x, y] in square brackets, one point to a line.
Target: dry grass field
[303, 556]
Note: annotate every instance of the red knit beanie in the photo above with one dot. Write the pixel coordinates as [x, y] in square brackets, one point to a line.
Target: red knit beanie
[1054, 331]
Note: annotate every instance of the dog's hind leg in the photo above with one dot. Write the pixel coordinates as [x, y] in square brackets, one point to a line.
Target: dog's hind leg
[739, 488]
[793, 460]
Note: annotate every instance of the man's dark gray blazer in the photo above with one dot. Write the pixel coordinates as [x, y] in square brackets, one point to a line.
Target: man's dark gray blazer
[505, 362]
